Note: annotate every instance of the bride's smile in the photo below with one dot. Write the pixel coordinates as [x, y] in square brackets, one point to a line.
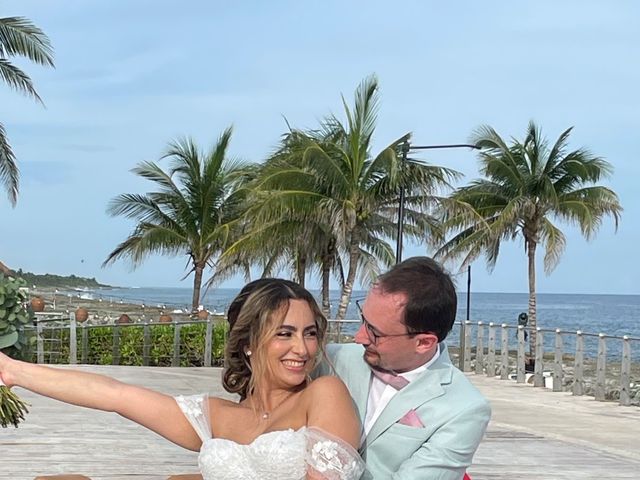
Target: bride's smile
[293, 348]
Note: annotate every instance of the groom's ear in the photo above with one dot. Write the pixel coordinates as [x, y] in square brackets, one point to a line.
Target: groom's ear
[426, 342]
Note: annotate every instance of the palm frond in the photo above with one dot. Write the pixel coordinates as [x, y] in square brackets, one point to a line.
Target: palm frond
[555, 242]
[20, 37]
[9, 173]
[17, 79]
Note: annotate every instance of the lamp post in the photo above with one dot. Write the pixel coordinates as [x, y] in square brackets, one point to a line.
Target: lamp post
[406, 148]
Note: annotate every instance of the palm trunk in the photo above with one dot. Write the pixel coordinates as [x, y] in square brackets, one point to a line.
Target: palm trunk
[197, 283]
[266, 271]
[531, 252]
[347, 289]
[326, 274]
[301, 268]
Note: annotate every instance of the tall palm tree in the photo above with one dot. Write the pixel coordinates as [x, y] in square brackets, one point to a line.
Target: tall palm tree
[19, 37]
[190, 213]
[332, 181]
[527, 186]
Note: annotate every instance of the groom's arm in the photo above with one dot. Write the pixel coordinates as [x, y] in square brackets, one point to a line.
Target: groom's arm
[449, 451]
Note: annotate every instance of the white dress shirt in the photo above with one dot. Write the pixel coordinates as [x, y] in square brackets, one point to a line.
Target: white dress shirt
[380, 393]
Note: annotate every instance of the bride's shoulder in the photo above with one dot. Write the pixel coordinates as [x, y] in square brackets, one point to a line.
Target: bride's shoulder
[327, 386]
[331, 409]
[219, 403]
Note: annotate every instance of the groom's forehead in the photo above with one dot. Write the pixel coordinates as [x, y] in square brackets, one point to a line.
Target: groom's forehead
[395, 299]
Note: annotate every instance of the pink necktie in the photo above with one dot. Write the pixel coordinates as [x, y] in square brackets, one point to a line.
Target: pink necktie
[396, 381]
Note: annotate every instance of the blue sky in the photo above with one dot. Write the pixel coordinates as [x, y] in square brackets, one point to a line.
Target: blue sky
[131, 76]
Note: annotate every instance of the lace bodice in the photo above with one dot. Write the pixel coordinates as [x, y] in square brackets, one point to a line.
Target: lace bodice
[280, 455]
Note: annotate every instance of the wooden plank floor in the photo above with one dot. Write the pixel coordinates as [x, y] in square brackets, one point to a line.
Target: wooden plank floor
[534, 434]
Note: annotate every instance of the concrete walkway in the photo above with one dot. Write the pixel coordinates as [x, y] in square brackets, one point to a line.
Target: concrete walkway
[537, 433]
[534, 434]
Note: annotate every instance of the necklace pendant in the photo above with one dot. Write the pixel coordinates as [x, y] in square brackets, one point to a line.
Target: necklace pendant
[265, 415]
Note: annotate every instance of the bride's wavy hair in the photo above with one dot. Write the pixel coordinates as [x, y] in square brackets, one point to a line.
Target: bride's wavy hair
[254, 317]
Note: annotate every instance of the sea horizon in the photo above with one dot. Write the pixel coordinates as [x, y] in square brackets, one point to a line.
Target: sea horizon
[459, 291]
[614, 314]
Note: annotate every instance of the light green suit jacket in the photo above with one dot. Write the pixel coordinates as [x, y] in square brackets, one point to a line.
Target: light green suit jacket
[454, 414]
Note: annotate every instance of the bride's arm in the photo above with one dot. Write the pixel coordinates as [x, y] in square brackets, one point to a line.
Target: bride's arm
[331, 409]
[334, 432]
[153, 410]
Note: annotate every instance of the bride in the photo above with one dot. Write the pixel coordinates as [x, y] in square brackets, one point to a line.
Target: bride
[284, 427]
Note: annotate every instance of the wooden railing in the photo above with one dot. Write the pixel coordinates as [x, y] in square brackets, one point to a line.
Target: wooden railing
[494, 358]
[490, 349]
[74, 351]
[80, 331]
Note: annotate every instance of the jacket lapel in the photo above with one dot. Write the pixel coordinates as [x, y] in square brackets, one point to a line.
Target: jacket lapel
[425, 388]
[359, 382]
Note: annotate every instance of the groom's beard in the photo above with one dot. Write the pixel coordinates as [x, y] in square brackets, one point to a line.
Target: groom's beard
[372, 358]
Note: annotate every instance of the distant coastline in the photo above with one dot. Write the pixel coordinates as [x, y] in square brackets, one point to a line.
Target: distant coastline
[49, 280]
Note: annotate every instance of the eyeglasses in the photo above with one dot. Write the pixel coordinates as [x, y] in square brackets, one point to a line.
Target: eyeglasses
[373, 335]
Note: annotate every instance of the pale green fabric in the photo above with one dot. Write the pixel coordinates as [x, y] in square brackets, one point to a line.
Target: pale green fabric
[455, 416]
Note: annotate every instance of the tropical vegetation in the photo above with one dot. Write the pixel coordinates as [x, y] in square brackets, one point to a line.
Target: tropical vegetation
[49, 280]
[325, 200]
[324, 203]
[527, 187]
[190, 213]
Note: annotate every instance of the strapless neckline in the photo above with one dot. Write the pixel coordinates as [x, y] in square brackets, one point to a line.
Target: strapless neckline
[277, 455]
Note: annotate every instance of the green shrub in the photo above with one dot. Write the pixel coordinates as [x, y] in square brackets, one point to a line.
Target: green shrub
[130, 351]
[14, 317]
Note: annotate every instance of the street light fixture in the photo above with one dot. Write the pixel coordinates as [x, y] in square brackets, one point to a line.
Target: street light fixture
[406, 148]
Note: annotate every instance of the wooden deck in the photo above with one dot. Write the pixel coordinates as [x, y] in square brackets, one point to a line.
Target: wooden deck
[534, 434]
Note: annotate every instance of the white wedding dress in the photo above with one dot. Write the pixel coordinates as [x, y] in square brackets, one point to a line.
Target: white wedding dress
[280, 455]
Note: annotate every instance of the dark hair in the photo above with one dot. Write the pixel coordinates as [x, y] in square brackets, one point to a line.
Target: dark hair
[254, 316]
[431, 295]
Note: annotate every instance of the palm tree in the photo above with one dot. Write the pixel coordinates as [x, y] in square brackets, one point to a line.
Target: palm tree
[19, 37]
[528, 186]
[330, 180]
[191, 212]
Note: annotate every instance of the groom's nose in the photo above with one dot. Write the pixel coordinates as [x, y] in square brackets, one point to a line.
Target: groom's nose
[361, 336]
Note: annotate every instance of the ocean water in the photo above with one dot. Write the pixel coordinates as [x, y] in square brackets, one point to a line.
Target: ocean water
[614, 315]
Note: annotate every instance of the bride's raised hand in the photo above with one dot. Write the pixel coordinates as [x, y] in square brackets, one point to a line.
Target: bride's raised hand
[5, 367]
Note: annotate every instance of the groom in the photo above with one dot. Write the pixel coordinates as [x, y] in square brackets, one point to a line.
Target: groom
[421, 417]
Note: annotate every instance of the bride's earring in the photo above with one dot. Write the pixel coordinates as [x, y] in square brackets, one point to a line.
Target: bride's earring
[247, 355]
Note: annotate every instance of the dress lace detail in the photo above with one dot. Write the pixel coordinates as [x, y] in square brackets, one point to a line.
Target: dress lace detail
[307, 453]
[331, 458]
[196, 409]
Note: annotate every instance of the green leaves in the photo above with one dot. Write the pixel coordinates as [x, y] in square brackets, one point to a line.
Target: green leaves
[13, 313]
[13, 317]
[8, 340]
[194, 204]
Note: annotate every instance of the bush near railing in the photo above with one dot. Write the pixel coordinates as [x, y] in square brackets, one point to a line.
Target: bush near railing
[98, 345]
